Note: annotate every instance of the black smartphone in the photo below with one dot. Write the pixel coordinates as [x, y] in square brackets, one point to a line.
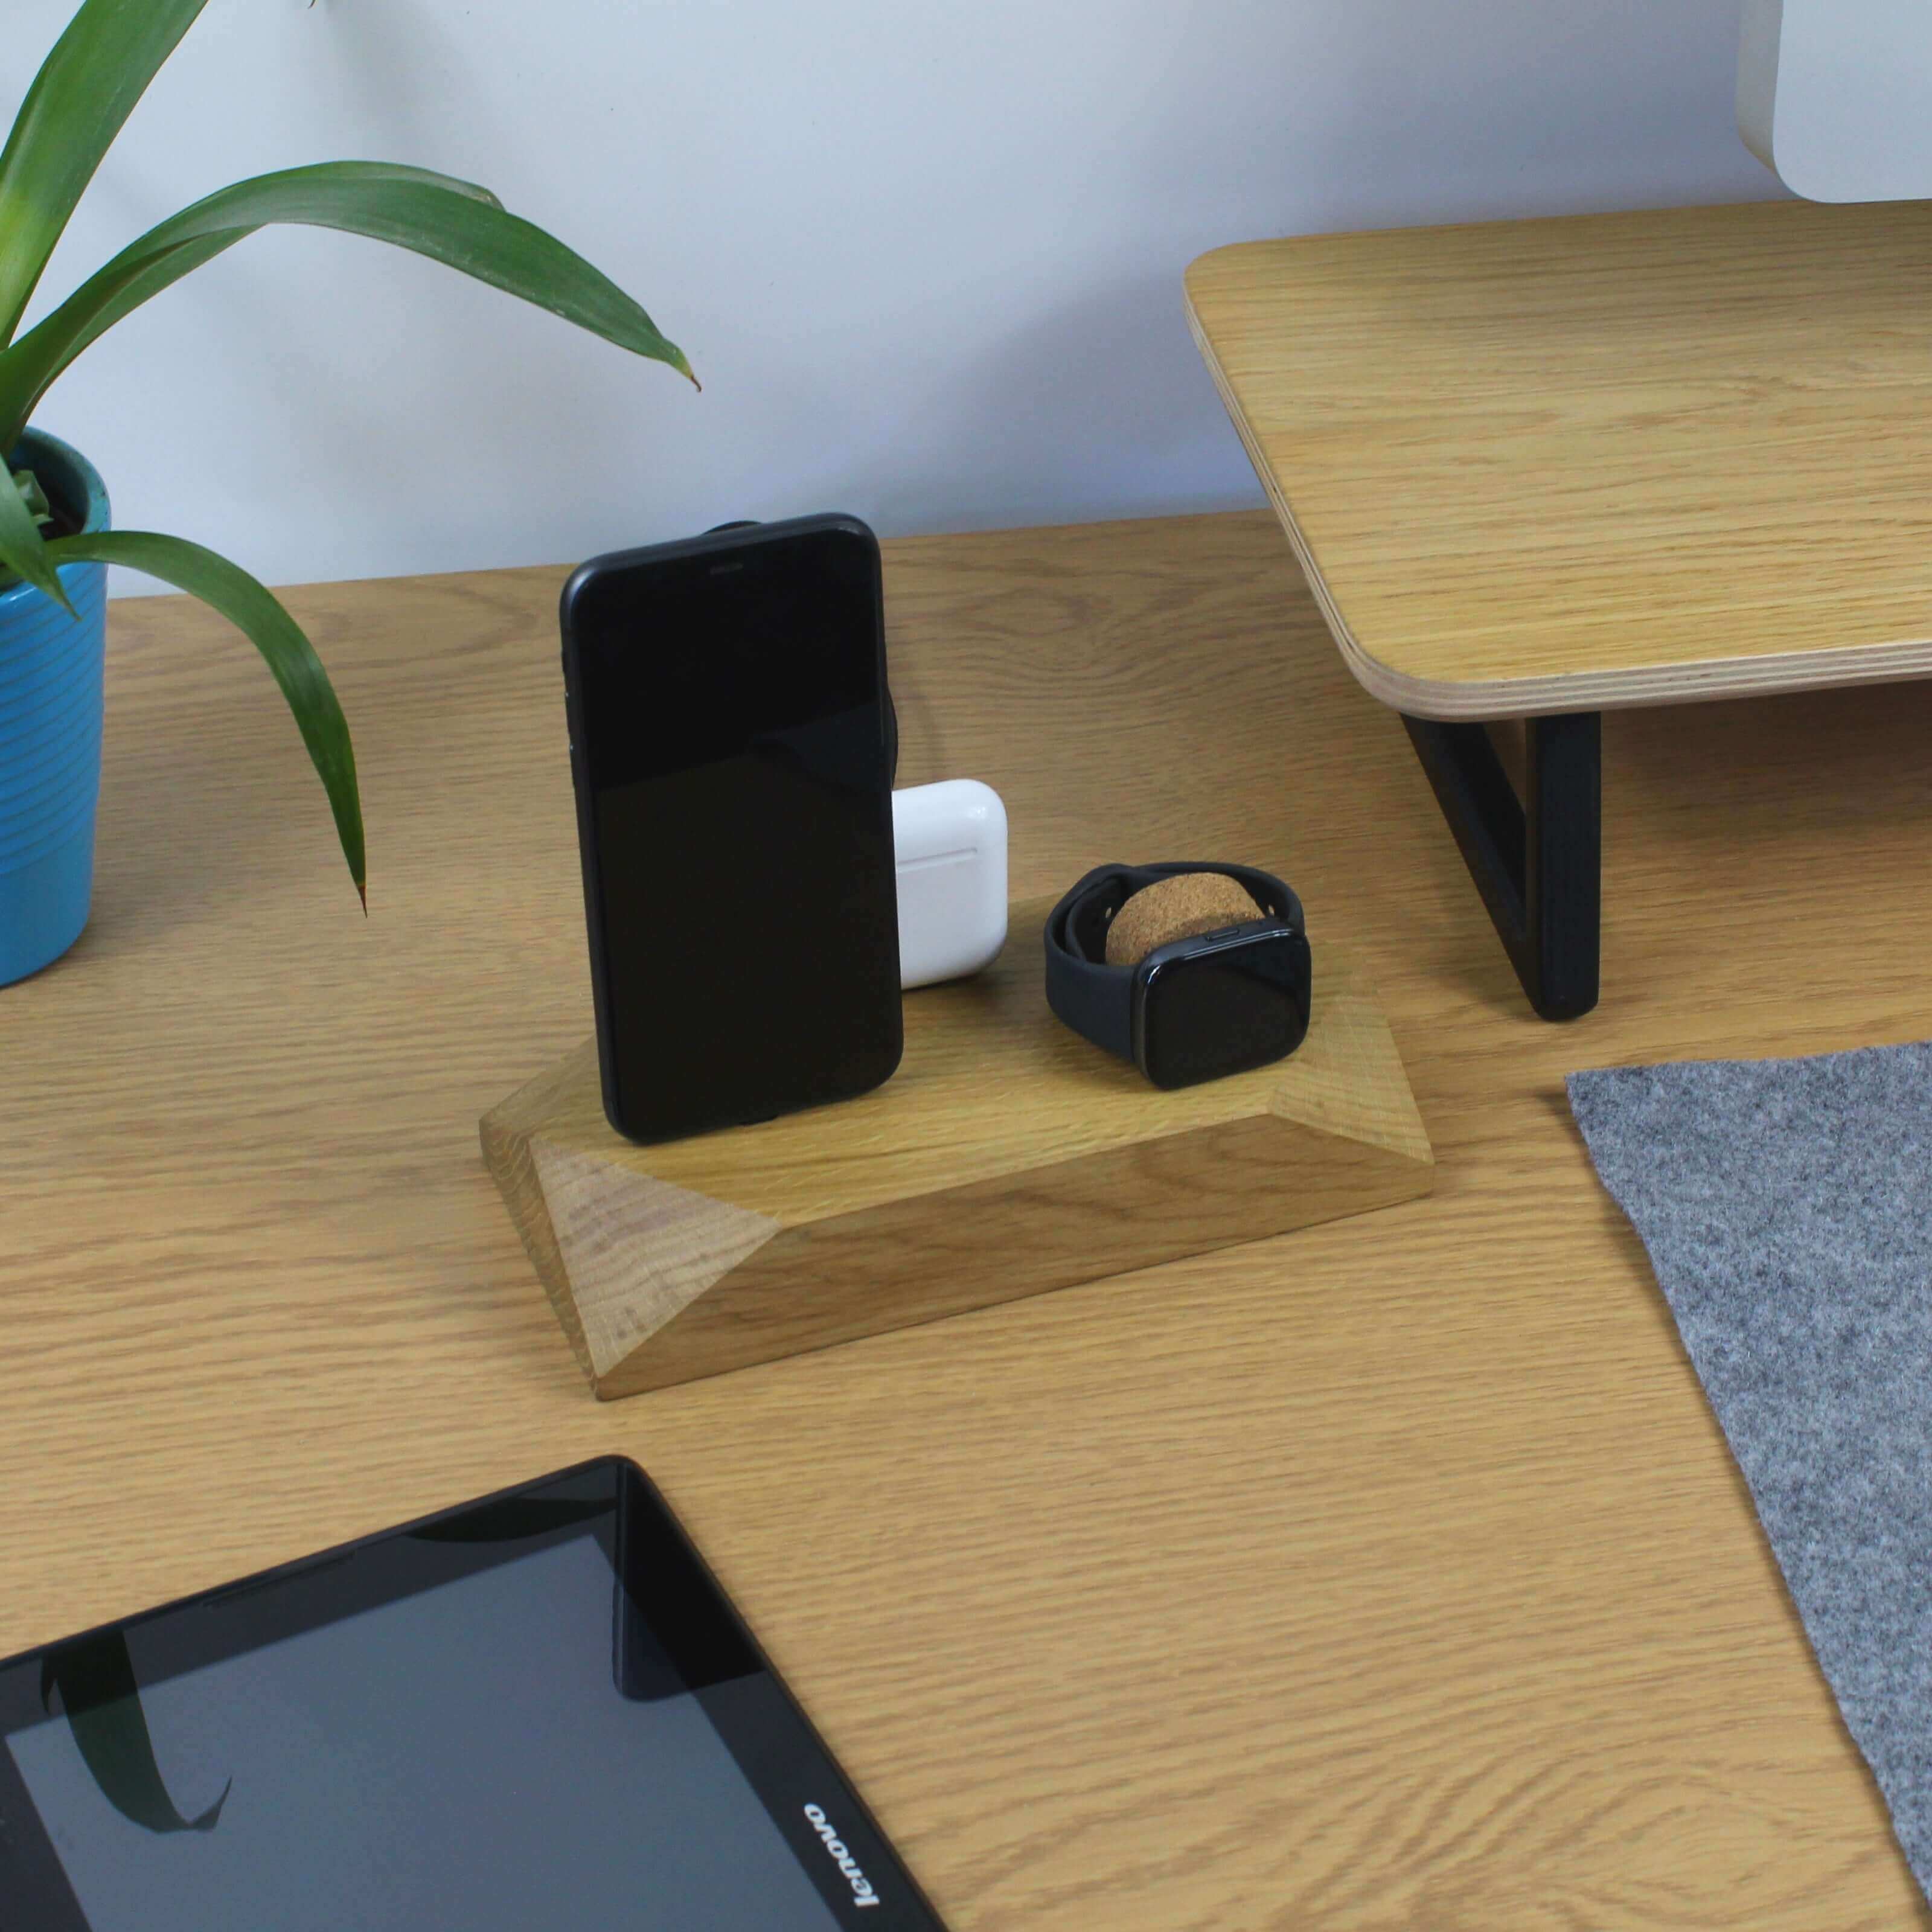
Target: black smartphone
[730, 747]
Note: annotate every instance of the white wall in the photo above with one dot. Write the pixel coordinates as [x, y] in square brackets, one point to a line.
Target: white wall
[926, 255]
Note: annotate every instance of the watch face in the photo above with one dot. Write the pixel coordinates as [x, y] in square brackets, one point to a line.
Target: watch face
[1217, 1010]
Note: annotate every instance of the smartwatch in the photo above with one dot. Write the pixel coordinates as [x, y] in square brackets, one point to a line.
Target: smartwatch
[1194, 1009]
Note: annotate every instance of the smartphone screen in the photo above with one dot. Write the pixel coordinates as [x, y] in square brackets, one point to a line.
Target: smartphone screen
[728, 725]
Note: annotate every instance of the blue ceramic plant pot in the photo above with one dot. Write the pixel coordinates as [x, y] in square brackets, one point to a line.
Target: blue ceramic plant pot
[50, 715]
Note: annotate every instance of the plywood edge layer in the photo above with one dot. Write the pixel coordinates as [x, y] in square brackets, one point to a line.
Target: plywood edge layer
[1318, 584]
[1702, 681]
[1474, 700]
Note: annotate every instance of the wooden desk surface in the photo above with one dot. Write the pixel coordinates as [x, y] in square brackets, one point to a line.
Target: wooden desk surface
[1612, 460]
[1392, 1574]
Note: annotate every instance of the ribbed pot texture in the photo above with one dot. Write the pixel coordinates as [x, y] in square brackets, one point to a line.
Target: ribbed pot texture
[50, 716]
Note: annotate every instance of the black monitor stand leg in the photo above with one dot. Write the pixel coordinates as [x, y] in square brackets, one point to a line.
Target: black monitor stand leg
[1537, 861]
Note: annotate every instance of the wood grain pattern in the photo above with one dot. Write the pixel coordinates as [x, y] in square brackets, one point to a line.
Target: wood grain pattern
[1597, 461]
[1392, 1575]
[1005, 1158]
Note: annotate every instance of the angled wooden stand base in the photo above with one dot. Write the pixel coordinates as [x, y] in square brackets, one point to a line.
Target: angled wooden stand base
[1006, 1157]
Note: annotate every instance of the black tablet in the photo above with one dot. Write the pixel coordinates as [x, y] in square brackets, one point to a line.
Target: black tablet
[537, 1710]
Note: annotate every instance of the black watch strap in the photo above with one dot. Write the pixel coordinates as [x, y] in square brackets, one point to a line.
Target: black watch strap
[1097, 1000]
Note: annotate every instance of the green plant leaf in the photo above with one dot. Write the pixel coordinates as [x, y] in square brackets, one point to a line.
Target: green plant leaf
[143, 269]
[24, 551]
[34, 496]
[251, 607]
[83, 93]
[95, 1679]
[451, 223]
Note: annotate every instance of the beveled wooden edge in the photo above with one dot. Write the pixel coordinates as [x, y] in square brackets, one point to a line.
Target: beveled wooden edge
[637, 1252]
[1452, 699]
[730, 1324]
[656, 1281]
[1388, 1117]
[505, 1136]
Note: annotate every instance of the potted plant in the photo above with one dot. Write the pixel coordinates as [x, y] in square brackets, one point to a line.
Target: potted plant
[55, 538]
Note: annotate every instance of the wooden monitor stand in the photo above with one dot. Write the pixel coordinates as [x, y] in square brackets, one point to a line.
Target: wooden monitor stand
[1540, 469]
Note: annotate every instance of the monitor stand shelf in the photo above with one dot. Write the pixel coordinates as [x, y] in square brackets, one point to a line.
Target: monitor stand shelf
[1005, 1158]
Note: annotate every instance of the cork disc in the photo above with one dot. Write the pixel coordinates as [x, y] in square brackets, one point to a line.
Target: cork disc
[1176, 908]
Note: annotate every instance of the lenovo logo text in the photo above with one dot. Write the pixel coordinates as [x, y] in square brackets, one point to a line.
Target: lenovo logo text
[862, 1893]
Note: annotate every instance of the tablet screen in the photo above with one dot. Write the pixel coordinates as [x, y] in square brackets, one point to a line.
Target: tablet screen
[513, 1748]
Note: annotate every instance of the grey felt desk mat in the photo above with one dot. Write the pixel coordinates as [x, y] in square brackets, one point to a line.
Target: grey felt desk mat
[1786, 1206]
